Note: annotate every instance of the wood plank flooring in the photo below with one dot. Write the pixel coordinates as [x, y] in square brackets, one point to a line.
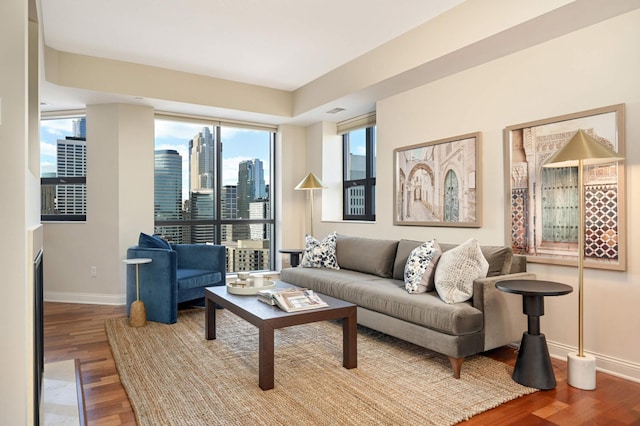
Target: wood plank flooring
[77, 331]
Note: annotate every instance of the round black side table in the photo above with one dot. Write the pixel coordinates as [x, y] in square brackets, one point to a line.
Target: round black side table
[294, 256]
[533, 365]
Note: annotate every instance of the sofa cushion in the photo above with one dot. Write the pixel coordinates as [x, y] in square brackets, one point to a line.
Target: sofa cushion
[387, 296]
[367, 255]
[499, 258]
[402, 255]
[457, 269]
[152, 241]
[320, 254]
[420, 267]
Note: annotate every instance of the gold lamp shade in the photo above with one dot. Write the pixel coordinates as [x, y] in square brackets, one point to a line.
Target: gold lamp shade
[311, 181]
[582, 147]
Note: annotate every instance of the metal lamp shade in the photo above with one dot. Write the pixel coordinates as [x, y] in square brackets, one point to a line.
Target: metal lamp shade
[582, 147]
[310, 182]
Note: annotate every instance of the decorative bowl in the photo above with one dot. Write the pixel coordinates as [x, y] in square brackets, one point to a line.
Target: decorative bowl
[241, 287]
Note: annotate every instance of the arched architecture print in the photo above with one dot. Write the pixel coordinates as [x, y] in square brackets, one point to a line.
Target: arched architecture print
[436, 183]
[545, 201]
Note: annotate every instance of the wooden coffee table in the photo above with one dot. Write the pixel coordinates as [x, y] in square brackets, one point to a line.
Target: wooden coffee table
[269, 318]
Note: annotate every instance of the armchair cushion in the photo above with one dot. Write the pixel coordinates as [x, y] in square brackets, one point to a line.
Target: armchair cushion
[152, 241]
[193, 278]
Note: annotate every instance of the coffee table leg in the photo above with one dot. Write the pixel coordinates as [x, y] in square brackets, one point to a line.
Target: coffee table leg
[265, 356]
[209, 319]
[350, 341]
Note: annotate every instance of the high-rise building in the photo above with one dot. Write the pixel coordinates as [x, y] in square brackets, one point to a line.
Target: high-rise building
[79, 128]
[251, 186]
[357, 167]
[202, 207]
[259, 210]
[201, 160]
[168, 193]
[48, 196]
[249, 255]
[71, 162]
[229, 210]
[201, 184]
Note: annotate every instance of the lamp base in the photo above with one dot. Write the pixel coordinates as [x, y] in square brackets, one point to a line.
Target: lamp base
[138, 314]
[581, 371]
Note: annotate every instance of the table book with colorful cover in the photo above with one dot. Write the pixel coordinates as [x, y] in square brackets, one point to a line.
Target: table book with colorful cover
[292, 299]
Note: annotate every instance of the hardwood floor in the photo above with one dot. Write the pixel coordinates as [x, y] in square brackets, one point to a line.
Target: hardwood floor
[77, 331]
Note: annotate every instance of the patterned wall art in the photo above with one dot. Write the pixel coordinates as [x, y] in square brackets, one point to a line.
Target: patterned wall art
[542, 217]
[439, 183]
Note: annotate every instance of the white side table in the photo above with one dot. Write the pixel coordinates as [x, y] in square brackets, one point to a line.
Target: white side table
[138, 313]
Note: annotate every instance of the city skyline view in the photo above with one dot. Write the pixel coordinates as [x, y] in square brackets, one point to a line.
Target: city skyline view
[239, 145]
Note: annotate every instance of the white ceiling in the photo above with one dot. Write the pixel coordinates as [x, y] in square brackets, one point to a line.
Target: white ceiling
[281, 44]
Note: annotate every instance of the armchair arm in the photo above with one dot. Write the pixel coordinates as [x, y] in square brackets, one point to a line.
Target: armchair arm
[158, 283]
[502, 312]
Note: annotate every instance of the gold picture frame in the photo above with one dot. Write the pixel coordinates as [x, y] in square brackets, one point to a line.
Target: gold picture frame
[541, 215]
[439, 183]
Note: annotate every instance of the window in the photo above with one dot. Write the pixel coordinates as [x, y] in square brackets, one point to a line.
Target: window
[213, 185]
[63, 165]
[359, 174]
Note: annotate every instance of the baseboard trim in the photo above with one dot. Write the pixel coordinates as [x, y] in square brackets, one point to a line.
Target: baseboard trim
[89, 298]
[604, 363]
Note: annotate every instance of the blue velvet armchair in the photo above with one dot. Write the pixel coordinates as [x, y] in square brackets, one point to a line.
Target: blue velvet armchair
[177, 273]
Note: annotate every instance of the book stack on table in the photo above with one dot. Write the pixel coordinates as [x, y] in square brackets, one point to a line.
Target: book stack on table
[292, 299]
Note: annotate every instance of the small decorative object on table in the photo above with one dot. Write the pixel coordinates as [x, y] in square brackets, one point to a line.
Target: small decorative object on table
[138, 313]
[248, 285]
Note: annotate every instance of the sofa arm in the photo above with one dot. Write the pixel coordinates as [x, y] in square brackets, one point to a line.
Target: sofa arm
[504, 321]
[158, 283]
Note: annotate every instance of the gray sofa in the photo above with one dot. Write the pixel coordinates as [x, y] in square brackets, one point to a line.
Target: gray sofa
[371, 275]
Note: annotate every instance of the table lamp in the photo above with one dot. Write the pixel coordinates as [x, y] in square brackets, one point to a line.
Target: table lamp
[309, 183]
[581, 150]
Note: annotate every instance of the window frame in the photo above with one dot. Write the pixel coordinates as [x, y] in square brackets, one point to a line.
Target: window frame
[64, 180]
[217, 222]
[368, 182]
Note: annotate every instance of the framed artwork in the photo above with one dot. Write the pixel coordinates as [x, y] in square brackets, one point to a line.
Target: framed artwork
[439, 183]
[542, 217]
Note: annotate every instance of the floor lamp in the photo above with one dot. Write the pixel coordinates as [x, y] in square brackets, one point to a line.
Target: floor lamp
[581, 150]
[309, 183]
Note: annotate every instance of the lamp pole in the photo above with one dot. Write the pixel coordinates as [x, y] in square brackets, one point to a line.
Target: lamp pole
[581, 212]
[311, 205]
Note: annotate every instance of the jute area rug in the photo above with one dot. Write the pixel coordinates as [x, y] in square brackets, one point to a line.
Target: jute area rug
[173, 376]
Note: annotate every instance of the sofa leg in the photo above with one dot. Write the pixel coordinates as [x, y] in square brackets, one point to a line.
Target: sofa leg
[456, 365]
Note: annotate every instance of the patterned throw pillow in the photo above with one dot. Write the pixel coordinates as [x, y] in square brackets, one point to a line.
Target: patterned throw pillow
[457, 269]
[320, 254]
[420, 267]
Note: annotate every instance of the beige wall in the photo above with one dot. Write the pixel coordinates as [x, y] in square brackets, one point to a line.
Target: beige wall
[590, 68]
[19, 191]
[290, 170]
[120, 161]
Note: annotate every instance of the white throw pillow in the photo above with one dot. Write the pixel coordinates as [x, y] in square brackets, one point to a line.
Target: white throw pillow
[457, 269]
[320, 254]
[420, 267]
